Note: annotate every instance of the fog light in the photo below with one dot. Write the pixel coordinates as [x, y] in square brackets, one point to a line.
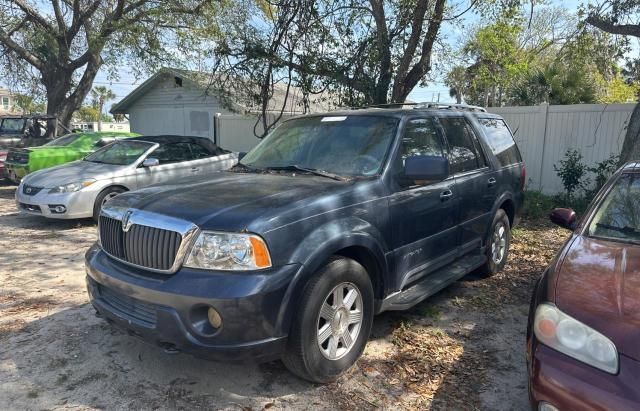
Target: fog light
[58, 209]
[214, 318]
[545, 406]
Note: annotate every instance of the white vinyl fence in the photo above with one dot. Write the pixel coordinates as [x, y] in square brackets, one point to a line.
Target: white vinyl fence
[544, 133]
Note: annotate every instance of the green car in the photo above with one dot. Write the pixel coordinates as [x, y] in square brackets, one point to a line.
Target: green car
[70, 147]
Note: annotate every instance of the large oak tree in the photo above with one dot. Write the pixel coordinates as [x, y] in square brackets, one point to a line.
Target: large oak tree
[61, 44]
[621, 17]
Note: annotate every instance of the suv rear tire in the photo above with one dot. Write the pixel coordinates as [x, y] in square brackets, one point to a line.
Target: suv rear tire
[332, 327]
[498, 242]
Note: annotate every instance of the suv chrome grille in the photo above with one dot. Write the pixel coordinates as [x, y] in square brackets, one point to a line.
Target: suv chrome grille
[141, 245]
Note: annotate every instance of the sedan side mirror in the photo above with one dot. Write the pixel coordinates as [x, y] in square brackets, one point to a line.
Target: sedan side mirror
[429, 168]
[150, 162]
[564, 217]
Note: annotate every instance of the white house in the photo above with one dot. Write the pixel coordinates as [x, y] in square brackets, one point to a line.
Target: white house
[182, 102]
[7, 102]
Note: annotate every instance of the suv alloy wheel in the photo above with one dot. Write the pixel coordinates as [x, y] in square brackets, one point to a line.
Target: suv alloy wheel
[334, 321]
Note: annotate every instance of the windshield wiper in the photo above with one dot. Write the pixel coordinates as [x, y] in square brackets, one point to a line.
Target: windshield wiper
[315, 171]
[625, 230]
[246, 167]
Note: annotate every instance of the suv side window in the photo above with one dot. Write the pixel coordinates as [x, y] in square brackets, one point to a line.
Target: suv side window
[501, 141]
[465, 153]
[421, 139]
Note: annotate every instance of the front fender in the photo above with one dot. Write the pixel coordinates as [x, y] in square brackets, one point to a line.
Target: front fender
[322, 243]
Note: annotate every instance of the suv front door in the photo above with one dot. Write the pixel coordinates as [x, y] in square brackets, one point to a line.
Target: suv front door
[474, 180]
[423, 213]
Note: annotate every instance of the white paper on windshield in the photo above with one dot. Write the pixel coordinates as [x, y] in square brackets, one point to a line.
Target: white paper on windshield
[341, 118]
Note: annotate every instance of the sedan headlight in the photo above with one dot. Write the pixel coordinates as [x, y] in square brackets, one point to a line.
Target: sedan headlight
[229, 251]
[571, 337]
[72, 187]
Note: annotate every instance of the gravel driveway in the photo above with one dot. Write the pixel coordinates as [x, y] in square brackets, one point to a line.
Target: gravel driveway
[461, 349]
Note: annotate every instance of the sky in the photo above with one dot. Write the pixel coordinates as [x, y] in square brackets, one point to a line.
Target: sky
[434, 91]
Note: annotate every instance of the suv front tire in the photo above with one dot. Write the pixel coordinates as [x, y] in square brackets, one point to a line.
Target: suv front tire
[333, 324]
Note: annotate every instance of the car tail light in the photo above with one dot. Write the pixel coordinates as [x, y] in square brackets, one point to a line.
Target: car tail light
[523, 177]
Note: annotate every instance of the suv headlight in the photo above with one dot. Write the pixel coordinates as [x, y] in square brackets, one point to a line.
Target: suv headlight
[72, 187]
[571, 337]
[229, 251]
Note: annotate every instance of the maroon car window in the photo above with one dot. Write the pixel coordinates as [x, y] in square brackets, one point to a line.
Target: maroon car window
[618, 217]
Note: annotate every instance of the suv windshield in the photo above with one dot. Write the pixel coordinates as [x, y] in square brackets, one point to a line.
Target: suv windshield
[344, 145]
[618, 217]
[11, 125]
[120, 153]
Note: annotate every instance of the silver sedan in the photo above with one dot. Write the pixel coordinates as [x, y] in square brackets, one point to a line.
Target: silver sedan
[79, 189]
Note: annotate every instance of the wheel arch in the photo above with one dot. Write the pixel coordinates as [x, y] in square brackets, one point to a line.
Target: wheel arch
[359, 245]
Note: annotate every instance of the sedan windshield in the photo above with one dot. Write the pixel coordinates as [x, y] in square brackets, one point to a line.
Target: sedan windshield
[64, 140]
[120, 153]
[342, 145]
[618, 217]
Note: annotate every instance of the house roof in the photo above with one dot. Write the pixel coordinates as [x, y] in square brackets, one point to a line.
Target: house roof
[235, 94]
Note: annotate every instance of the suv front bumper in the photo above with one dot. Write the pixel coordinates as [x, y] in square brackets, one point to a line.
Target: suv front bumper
[167, 310]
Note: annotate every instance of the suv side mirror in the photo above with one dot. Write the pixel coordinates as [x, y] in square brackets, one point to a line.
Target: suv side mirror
[564, 217]
[150, 162]
[430, 168]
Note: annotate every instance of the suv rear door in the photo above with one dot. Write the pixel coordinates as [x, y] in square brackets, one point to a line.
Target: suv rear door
[475, 182]
[423, 213]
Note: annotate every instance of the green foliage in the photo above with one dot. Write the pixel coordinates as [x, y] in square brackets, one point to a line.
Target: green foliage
[618, 90]
[573, 173]
[546, 57]
[603, 170]
[87, 114]
[28, 105]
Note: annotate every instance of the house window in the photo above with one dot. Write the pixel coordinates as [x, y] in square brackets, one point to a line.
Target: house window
[5, 103]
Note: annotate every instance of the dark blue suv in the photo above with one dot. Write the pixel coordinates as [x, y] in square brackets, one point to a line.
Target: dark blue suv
[330, 220]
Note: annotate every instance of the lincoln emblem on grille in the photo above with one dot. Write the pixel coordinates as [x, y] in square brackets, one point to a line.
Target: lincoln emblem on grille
[126, 222]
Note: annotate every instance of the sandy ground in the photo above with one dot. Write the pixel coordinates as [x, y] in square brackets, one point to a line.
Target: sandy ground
[461, 349]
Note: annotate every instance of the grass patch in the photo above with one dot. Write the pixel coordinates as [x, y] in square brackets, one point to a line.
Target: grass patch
[430, 311]
[538, 205]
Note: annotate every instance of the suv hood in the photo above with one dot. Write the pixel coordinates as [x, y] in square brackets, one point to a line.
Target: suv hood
[598, 283]
[70, 173]
[229, 201]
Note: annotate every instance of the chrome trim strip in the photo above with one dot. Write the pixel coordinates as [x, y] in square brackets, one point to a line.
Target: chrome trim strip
[186, 229]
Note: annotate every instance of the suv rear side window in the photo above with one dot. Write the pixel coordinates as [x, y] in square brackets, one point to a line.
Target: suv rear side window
[465, 153]
[501, 141]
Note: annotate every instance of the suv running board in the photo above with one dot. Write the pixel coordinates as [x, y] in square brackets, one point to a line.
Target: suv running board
[432, 283]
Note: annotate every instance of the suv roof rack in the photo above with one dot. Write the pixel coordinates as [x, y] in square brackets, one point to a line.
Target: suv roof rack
[426, 104]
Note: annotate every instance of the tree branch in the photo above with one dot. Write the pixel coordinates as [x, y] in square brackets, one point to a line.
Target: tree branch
[34, 15]
[622, 29]
[31, 58]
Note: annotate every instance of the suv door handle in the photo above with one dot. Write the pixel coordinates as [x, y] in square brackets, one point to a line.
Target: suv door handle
[194, 169]
[445, 195]
[491, 182]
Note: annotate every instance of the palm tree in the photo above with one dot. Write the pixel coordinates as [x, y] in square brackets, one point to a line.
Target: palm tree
[101, 95]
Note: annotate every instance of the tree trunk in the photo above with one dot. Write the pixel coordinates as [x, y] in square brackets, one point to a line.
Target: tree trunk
[631, 146]
[57, 82]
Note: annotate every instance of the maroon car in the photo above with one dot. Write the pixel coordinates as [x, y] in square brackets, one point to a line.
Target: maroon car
[583, 337]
